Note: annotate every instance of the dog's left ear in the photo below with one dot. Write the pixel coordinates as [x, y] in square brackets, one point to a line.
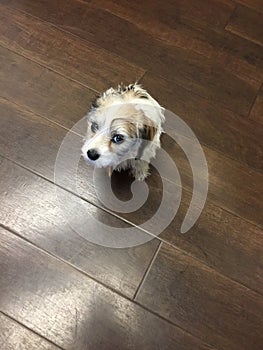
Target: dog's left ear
[148, 130]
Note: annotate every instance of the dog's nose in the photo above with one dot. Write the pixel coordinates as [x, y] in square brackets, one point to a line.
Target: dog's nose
[93, 154]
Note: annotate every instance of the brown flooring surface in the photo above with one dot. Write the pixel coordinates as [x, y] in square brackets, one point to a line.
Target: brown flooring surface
[201, 59]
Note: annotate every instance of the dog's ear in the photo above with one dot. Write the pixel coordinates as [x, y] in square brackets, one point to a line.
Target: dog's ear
[148, 130]
[95, 103]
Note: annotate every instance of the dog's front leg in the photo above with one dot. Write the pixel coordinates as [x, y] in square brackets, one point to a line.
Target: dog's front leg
[140, 170]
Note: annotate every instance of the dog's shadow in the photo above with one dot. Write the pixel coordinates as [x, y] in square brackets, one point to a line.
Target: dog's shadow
[121, 183]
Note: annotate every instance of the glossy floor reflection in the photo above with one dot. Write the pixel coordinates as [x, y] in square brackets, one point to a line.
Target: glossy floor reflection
[200, 59]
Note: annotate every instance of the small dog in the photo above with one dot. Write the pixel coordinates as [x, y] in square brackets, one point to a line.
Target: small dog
[124, 129]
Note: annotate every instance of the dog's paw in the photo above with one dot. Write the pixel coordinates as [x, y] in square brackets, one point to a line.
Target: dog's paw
[141, 170]
[140, 177]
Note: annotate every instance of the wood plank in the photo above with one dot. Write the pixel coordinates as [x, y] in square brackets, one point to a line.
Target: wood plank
[195, 13]
[30, 206]
[226, 177]
[73, 311]
[223, 241]
[41, 90]
[257, 109]
[232, 186]
[14, 336]
[196, 73]
[220, 73]
[27, 145]
[214, 126]
[66, 54]
[254, 4]
[247, 23]
[212, 307]
[162, 23]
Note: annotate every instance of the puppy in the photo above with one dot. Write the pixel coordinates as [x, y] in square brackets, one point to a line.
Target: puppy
[124, 129]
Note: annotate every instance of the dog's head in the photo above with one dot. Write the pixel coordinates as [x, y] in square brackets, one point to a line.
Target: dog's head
[118, 123]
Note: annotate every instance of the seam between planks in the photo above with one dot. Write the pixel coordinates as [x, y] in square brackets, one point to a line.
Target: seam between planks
[43, 251]
[180, 250]
[84, 41]
[147, 271]
[31, 330]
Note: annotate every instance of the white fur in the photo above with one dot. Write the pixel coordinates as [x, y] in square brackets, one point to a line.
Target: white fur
[128, 111]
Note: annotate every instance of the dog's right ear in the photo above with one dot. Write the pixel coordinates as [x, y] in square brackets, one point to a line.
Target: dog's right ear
[95, 103]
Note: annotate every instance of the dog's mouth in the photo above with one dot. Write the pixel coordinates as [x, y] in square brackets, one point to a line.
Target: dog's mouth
[100, 163]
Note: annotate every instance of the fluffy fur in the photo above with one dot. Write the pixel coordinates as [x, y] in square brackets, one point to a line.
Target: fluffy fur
[124, 129]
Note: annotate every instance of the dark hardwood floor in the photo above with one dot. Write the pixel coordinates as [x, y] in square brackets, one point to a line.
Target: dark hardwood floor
[201, 59]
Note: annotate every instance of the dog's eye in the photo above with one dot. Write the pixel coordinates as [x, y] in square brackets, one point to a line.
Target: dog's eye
[118, 138]
[94, 127]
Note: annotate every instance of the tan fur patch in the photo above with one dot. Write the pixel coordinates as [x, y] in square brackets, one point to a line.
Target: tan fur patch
[149, 129]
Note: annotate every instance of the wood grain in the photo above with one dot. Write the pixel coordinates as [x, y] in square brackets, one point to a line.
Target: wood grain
[223, 241]
[247, 23]
[66, 54]
[204, 61]
[30, 207]
[257, 109]
[226, 182]
[211, 306]
[193, 13]
[226, 177]
[73, 311]
[164, 23]
[214, 126]
[196, 73]
[41, 90]
[254, 4]
[14, 336]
